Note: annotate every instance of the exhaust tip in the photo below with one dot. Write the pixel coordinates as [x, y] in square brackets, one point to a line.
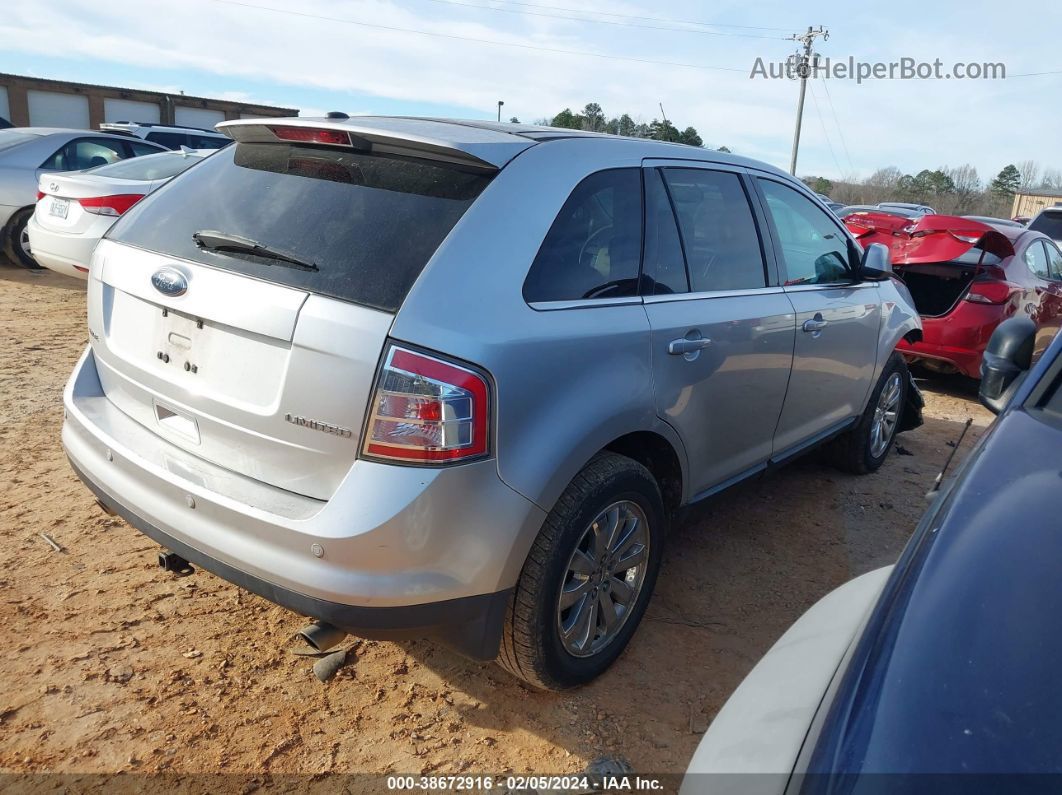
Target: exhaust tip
[175, 564]
[321, 636]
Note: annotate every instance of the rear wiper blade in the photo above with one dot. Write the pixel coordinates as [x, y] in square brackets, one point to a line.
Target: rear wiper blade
[220, 241]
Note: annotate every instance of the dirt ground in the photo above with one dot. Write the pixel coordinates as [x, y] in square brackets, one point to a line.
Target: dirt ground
[111, 665]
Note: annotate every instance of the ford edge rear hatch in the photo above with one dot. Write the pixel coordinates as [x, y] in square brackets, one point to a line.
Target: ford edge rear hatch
[240, 311]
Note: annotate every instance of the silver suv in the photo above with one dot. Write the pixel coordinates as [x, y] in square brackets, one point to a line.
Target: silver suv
[413, 377]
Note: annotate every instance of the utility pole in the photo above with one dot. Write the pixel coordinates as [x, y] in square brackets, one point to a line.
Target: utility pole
[663, 115]
[500, 103]
[802, 62]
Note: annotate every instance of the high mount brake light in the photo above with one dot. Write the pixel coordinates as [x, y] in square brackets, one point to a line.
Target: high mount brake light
[990, 291]
[312, 135]
[110, 205]
[427, 410]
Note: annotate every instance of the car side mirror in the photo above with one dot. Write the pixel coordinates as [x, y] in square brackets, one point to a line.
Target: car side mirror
[1006, 362]
[876, 263]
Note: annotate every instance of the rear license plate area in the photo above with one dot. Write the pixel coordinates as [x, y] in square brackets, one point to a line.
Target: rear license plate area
[60, 208]
[180, 340]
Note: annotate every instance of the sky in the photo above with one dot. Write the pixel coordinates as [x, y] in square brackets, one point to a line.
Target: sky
[459, 57]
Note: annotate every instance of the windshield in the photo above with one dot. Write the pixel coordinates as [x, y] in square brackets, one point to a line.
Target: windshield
[368, 223]
[1050, 223]
[149, 167]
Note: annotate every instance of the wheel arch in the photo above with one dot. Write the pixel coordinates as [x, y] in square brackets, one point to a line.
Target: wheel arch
[657, 454]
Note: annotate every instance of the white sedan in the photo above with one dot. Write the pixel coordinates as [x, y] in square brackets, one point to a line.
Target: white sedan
[74, 210]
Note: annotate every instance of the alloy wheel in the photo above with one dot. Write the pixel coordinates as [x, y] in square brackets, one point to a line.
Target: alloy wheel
[883, 426]
[24, 242]
[603, 579]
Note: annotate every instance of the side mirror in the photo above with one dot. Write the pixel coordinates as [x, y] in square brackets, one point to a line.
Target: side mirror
[1006, 362]
[876, 264]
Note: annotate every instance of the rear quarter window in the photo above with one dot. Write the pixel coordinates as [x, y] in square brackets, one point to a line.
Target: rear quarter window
[370, 223]
[593, 248]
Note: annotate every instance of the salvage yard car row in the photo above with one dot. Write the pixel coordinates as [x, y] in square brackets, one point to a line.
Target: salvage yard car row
[419, 378]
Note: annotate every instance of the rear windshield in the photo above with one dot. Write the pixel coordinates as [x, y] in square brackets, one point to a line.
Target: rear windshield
[1048, 223]
[161, 166]
[369, 223]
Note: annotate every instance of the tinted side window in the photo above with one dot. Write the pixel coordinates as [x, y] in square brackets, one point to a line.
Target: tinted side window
[1036, 259]
[718, 231]
[86, 153]
[207, 141]
[1048, 222]
[168, 139]
[593, 248]
[814, 249]
[663, 264]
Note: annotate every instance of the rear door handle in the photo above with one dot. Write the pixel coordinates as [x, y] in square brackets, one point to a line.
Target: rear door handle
[684, 345]
[814, 325]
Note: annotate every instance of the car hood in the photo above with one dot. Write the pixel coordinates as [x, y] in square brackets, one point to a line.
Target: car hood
[957, 671]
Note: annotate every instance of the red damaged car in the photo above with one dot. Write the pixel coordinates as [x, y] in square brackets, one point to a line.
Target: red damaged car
[965, 278]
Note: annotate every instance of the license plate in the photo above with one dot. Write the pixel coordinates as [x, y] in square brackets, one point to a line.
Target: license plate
[60, 208]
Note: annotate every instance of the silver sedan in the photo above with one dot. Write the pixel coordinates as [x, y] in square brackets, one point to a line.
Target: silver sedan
[28, 153]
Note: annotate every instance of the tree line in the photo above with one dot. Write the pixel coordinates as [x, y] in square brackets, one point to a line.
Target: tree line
[950, 191]
[593, 119]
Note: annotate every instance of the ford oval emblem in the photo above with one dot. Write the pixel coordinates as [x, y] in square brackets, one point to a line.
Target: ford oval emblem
[169, 281]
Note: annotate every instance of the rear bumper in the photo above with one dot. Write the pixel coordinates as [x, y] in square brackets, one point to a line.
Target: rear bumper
[396, 552]
[61, 252]
[959, 338]
[471, 625]
[967, 362]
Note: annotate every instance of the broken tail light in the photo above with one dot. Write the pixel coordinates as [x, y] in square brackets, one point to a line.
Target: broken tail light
[110, 205]
[427, 410]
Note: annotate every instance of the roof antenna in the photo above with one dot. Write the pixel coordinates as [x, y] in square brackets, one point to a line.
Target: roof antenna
[337, 114]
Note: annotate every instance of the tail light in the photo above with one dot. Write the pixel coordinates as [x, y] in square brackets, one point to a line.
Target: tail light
[310, 135]
[427, 410]
[40, 195]
[110, 205]
[990, 291]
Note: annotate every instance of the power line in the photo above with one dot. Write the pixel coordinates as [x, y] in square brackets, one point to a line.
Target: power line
[454, 37]
[837, 123]
[1036, 74]
[616, 23]
[634, 16]
[815, 102]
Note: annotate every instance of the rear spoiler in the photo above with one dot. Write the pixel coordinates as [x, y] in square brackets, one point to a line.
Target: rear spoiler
[932, 238]
[388, 139]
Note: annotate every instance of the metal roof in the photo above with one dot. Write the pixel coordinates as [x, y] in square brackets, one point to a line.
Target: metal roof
[477, 142]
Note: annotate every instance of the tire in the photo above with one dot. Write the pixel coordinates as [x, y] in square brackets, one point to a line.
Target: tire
[14, 245]
[858, 450]
[535, 647]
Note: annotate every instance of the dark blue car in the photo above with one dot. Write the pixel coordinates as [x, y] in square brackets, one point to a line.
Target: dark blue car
[945, 673]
